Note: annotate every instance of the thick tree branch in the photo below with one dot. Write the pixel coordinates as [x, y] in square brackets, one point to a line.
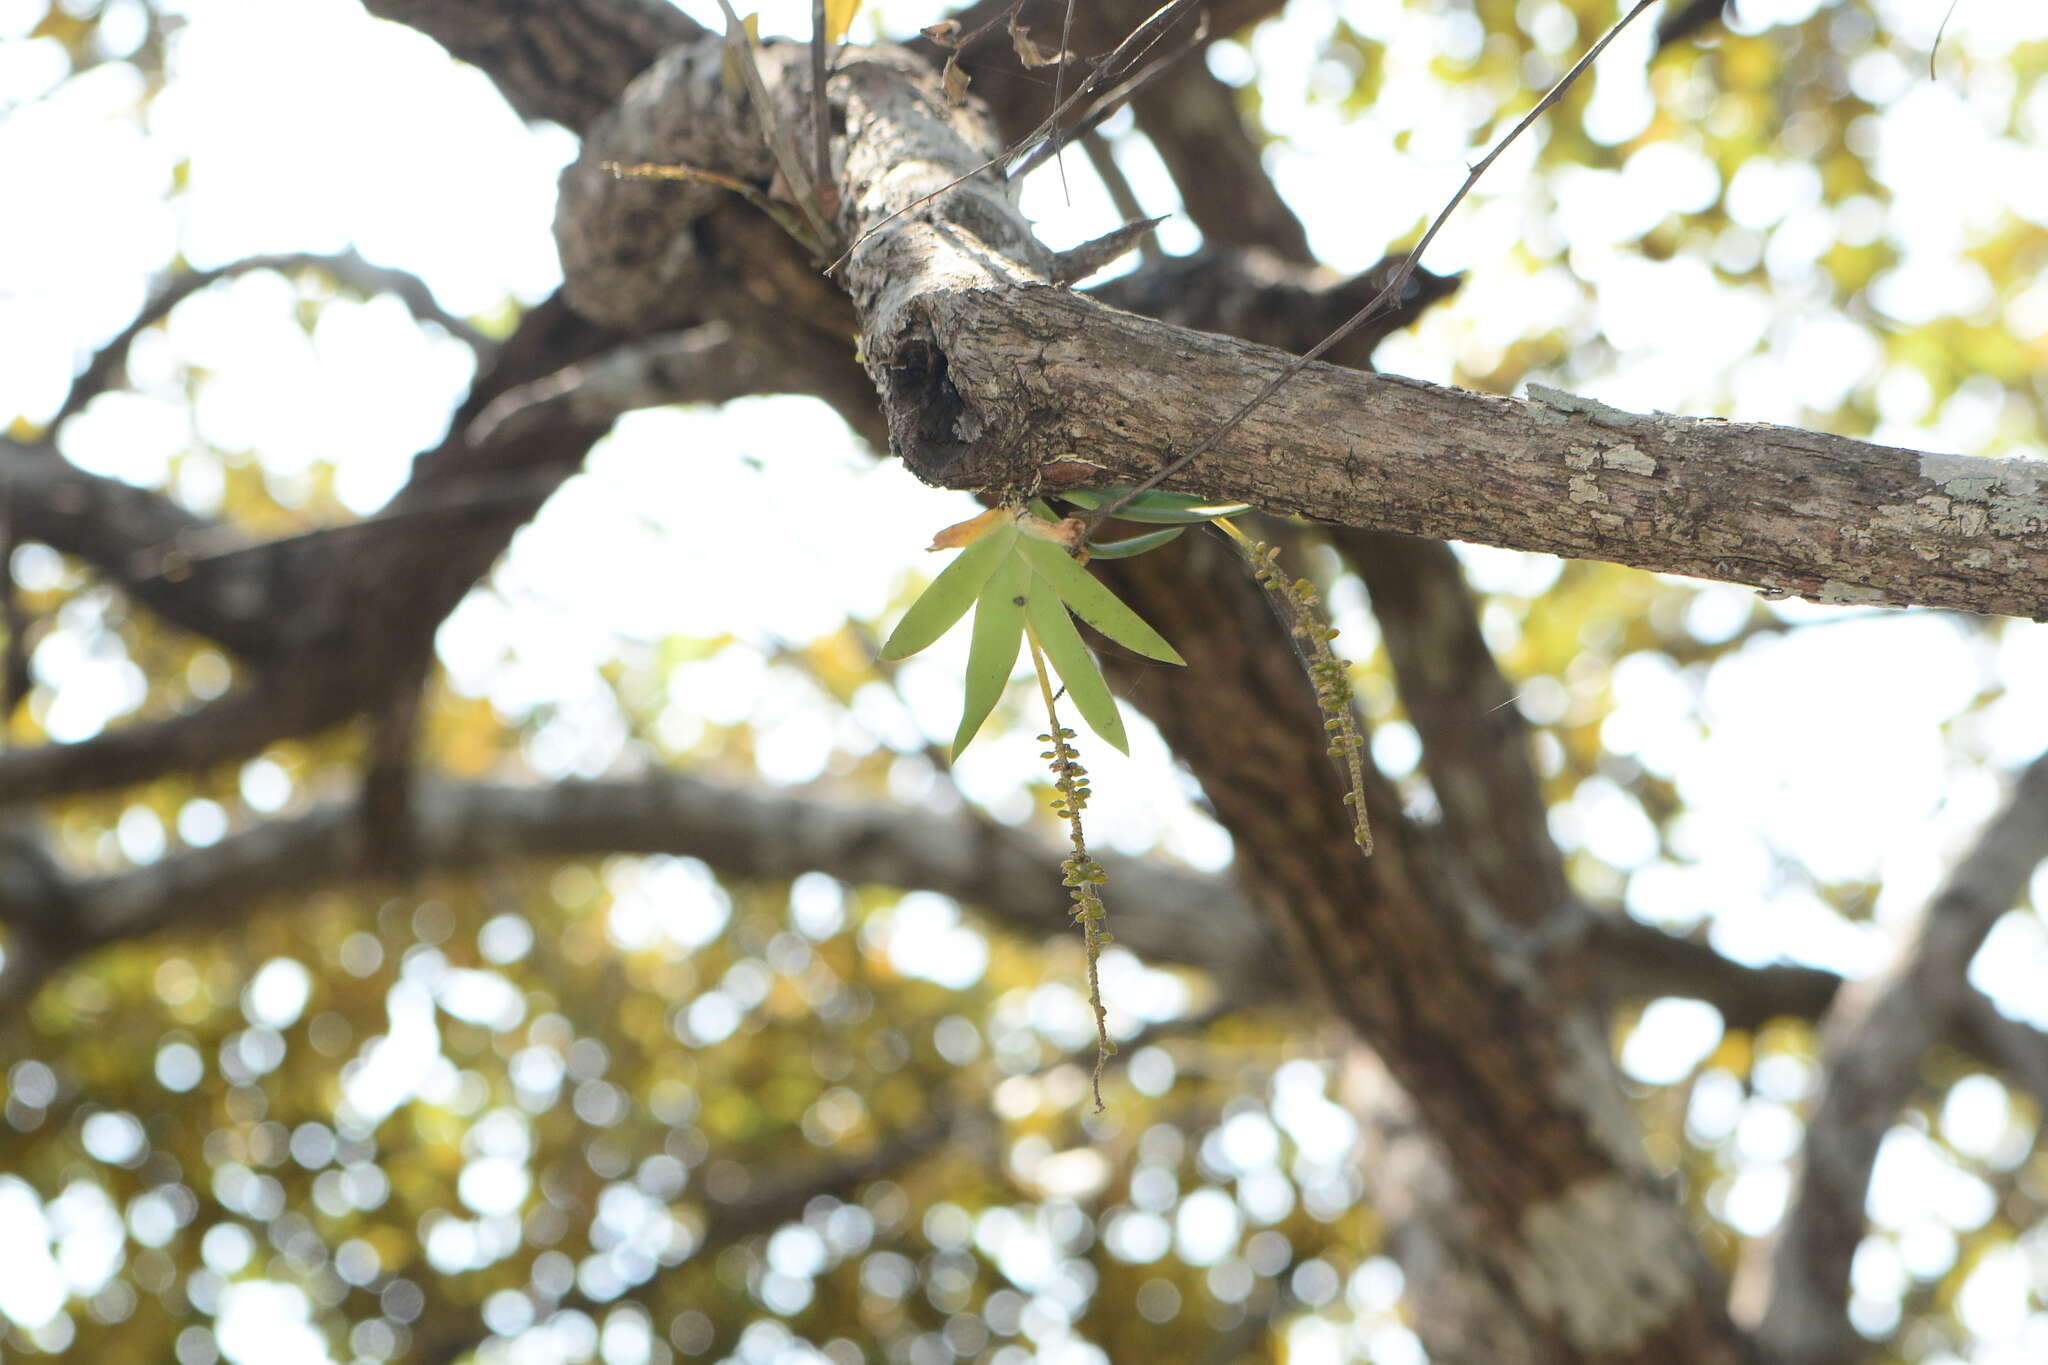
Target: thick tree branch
[1166, 914]
[701, 365]
[1627, 959]
[235, 726]
[998, 383]
[565, 62]
[1871, 1049]
[139, 539]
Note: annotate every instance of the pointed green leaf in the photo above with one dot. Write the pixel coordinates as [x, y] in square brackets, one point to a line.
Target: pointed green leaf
[998, 631]
[1093, 603]
[1136, 545]
[1056, 635]
[949, 596]
[1154, 506]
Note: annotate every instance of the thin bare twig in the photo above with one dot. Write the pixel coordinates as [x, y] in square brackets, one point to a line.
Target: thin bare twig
[1059, 75]
[1936, 48]
[1394, 284]
[1115, 99]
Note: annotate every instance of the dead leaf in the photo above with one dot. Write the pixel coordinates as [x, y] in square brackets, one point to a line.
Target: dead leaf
[955, 82]
[1028, 51]
[973, 529]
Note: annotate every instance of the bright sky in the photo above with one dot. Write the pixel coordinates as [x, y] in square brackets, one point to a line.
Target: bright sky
[1832, 746]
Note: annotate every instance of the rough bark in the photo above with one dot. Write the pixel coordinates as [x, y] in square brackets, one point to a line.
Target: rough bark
[1002, 384]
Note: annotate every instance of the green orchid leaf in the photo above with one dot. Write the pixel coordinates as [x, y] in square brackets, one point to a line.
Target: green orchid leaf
[950, 594]
[1055, 633]
[1154, 506]
[1093, 603]
[998, 633]
[1136, 545]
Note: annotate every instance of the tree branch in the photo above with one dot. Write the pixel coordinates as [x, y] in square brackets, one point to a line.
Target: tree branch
[995, 380]
[344, 614]
[560, 61]
[237, 725]
[137, 538]
[996, 383]
[2016, 1050]
[707, 364]
[1165, 913]
[347, 269]
[1628, 959]
[1257, 294]
[1871, 1048]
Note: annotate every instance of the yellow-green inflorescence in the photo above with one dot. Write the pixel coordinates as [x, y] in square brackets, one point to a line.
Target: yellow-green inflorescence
[1330, 674]
[1080, 873]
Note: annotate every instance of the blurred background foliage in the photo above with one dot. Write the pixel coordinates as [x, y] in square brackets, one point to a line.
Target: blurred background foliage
[629, 1109]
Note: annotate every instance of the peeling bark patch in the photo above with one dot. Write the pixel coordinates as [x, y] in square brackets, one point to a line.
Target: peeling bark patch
[1631, 458]
[1956, 473]
[1602, 1261]
[2010, 496]
[1967, 510]
[1838, 593]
